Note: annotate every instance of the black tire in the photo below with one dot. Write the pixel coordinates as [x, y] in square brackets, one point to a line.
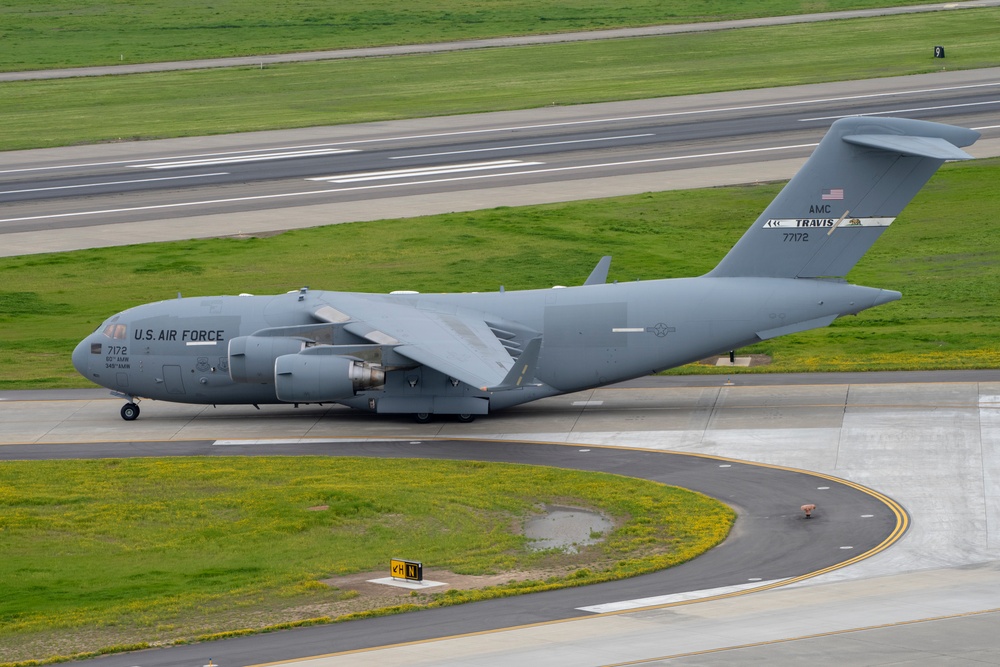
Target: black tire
[130, 412]
[465, 419]
[423, 417]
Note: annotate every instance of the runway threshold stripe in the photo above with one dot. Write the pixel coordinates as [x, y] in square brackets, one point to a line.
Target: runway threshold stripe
[639, 603]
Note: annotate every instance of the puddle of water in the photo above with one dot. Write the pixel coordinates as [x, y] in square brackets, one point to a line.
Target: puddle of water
[566, 528]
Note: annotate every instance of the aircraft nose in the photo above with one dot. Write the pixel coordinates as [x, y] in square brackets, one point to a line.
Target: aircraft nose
[81, 356]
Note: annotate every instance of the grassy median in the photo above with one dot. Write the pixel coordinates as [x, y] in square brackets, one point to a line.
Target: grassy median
[124, 552]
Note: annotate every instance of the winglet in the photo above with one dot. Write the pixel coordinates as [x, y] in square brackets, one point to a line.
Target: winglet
[599, 275]
[523, 370]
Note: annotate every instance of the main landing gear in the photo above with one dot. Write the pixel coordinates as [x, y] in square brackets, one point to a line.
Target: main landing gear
[130, 411]
[427, 417]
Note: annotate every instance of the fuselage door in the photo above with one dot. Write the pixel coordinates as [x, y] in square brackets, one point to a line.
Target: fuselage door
[173, 380]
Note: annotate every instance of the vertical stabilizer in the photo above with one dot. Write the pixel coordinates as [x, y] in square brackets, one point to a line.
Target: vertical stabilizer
[862, 174]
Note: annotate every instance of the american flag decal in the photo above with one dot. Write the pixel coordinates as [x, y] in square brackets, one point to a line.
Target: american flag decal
[833, 193]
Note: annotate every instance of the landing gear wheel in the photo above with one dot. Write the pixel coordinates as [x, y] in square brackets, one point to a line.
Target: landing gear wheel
[130, 412]
[422, 417]
[465, 419]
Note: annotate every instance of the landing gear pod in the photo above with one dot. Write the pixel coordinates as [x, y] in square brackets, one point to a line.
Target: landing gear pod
[252, 358]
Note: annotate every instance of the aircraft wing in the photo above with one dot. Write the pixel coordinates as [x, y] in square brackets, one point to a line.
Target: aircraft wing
[457, 343]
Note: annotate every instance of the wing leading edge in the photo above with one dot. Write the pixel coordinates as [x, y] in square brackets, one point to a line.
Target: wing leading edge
[458, 343]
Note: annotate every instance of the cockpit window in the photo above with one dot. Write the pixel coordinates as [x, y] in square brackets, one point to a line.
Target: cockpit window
[116, 331]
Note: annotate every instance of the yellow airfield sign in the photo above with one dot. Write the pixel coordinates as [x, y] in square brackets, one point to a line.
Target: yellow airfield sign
[411, 570]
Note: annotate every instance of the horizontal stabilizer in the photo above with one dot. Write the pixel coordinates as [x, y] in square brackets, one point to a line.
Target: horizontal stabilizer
[932, 147]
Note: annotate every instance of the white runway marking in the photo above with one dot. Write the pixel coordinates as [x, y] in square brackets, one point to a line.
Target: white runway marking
[894, 112]
[298, 441]
[245, 157]
[417, 172]
[510, 148]
[97, 185]
[659, 600]
[139, 162]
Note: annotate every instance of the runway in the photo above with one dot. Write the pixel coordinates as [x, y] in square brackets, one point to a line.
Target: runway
[931, 446]
[133, 192]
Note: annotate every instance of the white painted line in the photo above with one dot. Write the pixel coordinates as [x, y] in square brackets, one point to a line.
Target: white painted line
[903, 111]
[136, 161]
[585, 404]
[297, 441]
[230, 200]
[659, 600]
[422, 171]
[246, 157]
[97, 185]
[133, 209]
[628, 330]
[510, 148]
[195, 343]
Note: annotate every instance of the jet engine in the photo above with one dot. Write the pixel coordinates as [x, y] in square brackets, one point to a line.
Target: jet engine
[252, 358]
[319, 375]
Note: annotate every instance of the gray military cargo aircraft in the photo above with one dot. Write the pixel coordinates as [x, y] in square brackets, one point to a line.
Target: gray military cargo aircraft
[471, 354]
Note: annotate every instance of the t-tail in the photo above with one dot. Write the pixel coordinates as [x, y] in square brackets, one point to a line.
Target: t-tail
[862, 174]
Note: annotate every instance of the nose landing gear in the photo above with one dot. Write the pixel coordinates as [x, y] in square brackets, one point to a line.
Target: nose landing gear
[130, 411]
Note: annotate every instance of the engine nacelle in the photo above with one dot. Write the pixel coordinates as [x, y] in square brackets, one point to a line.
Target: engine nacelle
[317, 376]
[252, 358]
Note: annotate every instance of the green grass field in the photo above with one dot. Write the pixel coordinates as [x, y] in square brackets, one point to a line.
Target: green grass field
[38, 34]
[120, 552]
[194, 103]
[941, 254]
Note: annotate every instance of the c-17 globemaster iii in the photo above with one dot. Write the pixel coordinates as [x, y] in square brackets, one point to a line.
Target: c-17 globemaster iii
[471, 354]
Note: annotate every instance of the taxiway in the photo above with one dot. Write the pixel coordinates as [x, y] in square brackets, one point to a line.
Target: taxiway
[931, 446]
